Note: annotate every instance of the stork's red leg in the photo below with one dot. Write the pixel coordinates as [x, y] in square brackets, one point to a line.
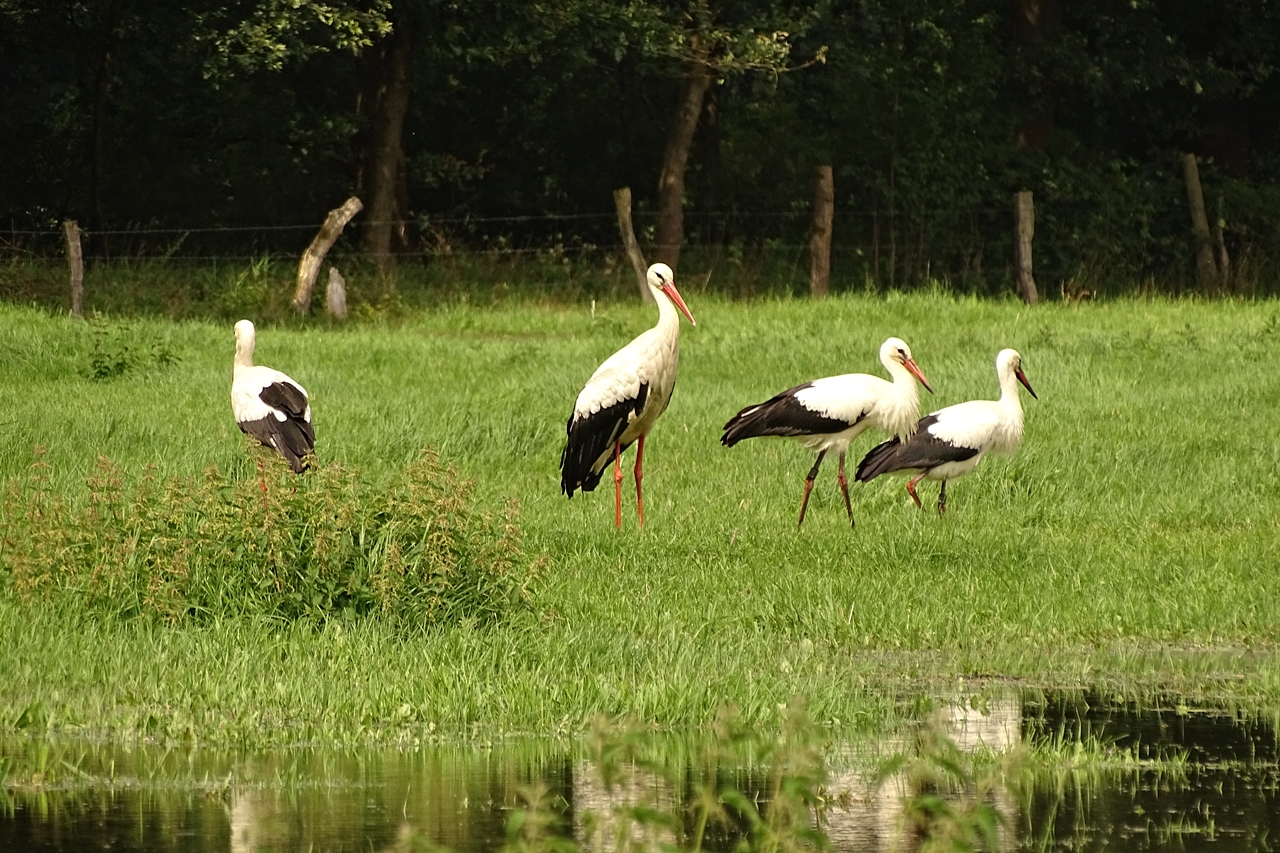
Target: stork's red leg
[617, 485]
[639, 477]
[911, 489]
[942, 498]
[808, 487]
[844, 488]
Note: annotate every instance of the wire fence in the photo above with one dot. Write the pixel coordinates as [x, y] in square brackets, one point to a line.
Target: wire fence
[974, 246]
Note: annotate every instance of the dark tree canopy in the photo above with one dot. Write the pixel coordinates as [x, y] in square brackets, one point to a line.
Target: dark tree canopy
[261, 113]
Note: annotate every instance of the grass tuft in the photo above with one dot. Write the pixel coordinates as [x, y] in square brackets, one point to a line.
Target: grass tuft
[268, 544]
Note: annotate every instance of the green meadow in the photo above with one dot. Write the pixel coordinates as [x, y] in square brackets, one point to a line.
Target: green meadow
[1131, 546]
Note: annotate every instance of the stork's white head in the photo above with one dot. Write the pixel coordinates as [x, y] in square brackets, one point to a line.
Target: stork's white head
[245, 338]
[663, 281]
[1009, 363]
[896, 351]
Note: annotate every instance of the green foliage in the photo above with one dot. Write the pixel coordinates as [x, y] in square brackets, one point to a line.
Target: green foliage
[415, 552]
[281, 31]
[118, 349]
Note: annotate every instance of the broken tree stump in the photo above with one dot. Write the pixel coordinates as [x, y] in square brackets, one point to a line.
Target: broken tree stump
[335, 295]
[1206, 269]
[622, 201]
[313, 257]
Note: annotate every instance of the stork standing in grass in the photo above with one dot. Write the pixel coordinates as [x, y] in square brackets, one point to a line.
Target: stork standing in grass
[623, 399]
[270, 406]
[950, 442]
[830, 413]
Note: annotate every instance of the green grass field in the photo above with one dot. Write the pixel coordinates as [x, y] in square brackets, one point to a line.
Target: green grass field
[1131, 545]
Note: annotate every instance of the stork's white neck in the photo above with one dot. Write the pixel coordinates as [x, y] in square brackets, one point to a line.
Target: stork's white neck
[900, 409]
[244, 354]
[1009, 393]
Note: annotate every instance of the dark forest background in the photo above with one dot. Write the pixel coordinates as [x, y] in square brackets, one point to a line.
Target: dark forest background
[221, 129]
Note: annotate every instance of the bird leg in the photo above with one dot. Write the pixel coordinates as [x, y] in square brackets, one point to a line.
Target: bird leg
[942, 498]
[808, 487]
[911, 489]
[844, 488]
[617, 485]
[639, 477]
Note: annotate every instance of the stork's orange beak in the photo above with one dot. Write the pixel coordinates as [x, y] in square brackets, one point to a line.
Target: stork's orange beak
[669, 288]
[910, 364]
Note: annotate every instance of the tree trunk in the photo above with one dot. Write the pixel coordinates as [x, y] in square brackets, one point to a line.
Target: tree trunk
[101, 88]
[622, 201]
[313, 257]
[675, 161]
[1025, 212]
[824, 200]
[383, 169]
[1036, 24]
[75, 261]
[1206, 270]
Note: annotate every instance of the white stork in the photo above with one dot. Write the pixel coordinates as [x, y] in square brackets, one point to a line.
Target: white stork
[831, 412]
[623, 399]
[950, 442]
[270, 406]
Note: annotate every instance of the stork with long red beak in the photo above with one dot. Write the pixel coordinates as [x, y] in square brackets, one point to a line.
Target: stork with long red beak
[623, 399]
[950, 442]
[829, 413]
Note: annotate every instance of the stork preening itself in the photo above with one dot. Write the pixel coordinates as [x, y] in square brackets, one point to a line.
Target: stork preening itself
[270, 406]
[950, 442]
[830, 413]
[623, 399]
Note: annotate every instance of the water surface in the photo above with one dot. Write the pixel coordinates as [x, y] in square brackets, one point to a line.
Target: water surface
[1215, 788]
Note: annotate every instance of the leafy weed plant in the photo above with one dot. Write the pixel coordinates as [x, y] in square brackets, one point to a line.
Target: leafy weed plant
[270, 544]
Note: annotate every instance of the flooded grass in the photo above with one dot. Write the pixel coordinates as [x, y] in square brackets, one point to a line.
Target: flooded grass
[1038, 772]
[1125, 548]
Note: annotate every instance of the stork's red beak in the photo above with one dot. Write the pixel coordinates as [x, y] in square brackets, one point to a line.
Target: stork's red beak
[1022, 377]
[669, 288]
[910, 364]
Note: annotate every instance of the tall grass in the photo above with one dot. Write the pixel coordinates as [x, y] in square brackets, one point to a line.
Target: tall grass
[272, 545]
[1127, 545]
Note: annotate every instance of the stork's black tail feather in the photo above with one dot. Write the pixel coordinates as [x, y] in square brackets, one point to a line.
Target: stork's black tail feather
[881, 459]
[783, 415]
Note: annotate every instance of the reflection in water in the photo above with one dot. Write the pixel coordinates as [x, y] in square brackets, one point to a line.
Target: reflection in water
[872, 818]
[1223, 795]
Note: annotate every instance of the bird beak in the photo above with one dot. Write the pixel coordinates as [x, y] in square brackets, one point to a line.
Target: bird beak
[1022, 377]
[670, 289]
[910, 364]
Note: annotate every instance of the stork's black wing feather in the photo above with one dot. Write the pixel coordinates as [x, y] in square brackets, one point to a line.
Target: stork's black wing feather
[589, 438]
[922, 451]
[295, 436]
[782, 414]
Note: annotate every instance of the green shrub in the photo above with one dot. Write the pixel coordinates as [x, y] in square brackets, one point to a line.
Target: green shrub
[268, 543]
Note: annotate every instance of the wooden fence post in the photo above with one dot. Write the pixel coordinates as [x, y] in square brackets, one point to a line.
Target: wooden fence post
[622, 201]
[75, 260]
[335, 295]
[1025, 214]
[824, 202]
[313, 257]
[1206, 270]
